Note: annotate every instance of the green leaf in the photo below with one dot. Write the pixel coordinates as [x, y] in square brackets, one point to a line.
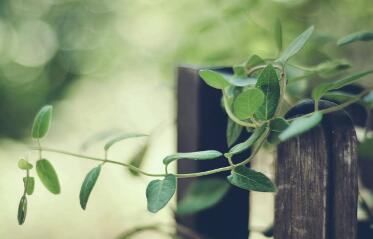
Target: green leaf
[246, 103]
[338, 96]
[48, 176]
[29, 184]
[241, 81]
[121, 137]
[42, 122]
[87, 186]
[251, 180]
[159, 192]
[321, 89]
[24, 164]
[277, 126]
[239, 71]
[354, 37]
[331, 67]
[268, 82]
[278, 34]
[301, 125]
[202, 194]
[296, 45]
[253, 61]
[22, 210]
[198, 155]
[214, 79]
[233, 132]
[238, 148]
[138, 158]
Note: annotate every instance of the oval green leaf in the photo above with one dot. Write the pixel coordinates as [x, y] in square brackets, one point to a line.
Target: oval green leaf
[22, 210]
[246, 103]
[269, 84]
[87, 186]
[296, 45]
[121, 137]
[198, 155]
[251, 180]
[159, 192]
[300, 126]
[277, 126]
[48, 176]
[233, 132]
[29, 184]
[214, 79]
[24, 164]
[354, 37]
[202, 194]
[42, 122]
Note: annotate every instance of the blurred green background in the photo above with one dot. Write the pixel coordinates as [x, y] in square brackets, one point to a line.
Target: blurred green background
[109, 65]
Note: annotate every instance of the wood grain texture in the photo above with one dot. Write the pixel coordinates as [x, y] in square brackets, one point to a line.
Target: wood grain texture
[317, 178]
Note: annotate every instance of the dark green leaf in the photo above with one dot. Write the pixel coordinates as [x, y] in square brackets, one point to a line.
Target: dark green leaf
[277, 126]
[296, 45]
[278, 34]
[198, 155]
[268, 82]
[301, 125]
[48, 176]
[252, 180]
[22, 210]
[365, 149]
[247, 103]
[24, 164]
[214, 79]
[138, 158]
[321, 89]
[202, 194]
[120, 138]
[159, 192]
[87, 186]
[357, 36]
[239, 71]
[29, 184]
[233, 132]
[42, 122]
[238, 148]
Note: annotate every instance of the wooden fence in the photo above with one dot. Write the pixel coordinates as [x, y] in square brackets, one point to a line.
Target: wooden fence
[316, 173]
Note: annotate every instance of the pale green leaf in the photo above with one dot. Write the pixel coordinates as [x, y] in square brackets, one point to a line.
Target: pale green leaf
[278, 34]
[121, 137]
[251, 180]
[233, 132]
[29, 184]
[48, 176]
[198, 155]
[269, 84]
[159, 192]
[87, 186]
[214, 79]
[42, 122]
[301, 125]
[338, 96]
[253, 61]
[202, 194]
[24, 164]
[22, 210]
[296, 45]
[247, 103]
[354, 37]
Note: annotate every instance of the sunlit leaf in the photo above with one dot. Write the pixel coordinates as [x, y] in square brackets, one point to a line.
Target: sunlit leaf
[238, 148]
[22, 210]
[269, 84]
[48, 176]
[301, 125]
[87, 186]
[357, 36]
[159, 192]
[198, 155]
[121, 137]
[24, 164]
[278, 34]
[29, 184]
[251, 180]
[247, 103]
[202, 194]
[42, 122]
[214, 79]
[321, 89]
[277, 126]
[233, 132]
[296, 45]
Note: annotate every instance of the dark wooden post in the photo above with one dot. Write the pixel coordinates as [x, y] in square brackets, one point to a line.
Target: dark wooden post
[201, 125]
[316, 175]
